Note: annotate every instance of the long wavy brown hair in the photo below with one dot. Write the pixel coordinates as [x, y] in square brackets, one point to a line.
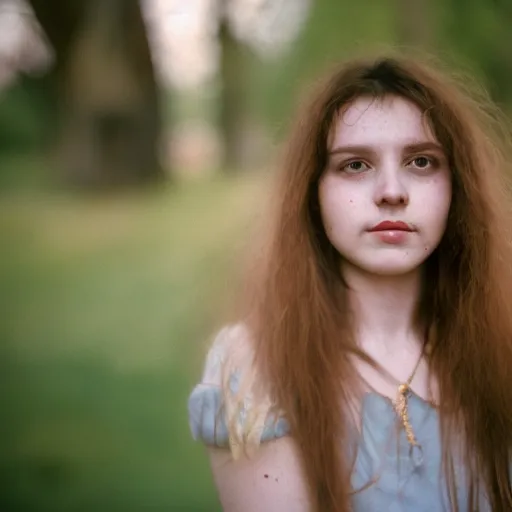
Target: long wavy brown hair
[299, 321]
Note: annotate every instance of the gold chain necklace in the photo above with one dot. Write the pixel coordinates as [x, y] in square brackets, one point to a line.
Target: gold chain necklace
[401, 405]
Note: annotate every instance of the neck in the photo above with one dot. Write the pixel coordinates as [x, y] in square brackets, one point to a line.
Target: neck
[384, 307]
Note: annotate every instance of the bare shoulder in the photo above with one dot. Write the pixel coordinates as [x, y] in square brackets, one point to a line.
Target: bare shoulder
[271, 480]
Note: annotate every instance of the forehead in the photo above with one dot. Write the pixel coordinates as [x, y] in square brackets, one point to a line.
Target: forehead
[382, 121]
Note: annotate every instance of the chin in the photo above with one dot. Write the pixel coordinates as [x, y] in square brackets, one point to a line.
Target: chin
[391, 271]
[384, 267]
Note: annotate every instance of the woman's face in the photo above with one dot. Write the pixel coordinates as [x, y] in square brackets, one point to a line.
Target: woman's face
[386, 191]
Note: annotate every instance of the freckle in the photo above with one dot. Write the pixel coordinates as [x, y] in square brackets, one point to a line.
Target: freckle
[277, 479]
[266, 476]
[351, 201]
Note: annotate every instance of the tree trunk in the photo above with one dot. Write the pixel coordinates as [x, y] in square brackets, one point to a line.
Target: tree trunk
[233, 108]
[108, 97]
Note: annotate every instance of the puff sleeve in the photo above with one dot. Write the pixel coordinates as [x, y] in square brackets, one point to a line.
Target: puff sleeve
[227, 408]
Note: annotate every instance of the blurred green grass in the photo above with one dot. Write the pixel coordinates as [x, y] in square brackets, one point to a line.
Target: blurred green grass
[106, 306]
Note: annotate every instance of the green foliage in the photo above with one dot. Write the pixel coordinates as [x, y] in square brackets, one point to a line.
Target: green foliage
[26, 120]
[473, 35]
[474, 32]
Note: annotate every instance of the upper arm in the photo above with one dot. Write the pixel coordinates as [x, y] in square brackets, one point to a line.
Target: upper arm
[272, 480]
[255, 463]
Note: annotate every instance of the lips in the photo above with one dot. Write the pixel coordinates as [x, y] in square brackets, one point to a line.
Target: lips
[389, 225]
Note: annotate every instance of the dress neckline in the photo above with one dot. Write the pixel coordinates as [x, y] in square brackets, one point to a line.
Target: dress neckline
[413, 395]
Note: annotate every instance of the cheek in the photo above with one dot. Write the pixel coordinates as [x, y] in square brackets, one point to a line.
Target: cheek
[435, 207]
[443, 197]
[334, 190]
[338, 206]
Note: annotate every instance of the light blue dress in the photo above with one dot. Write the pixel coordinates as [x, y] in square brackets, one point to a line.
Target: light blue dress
[399, 480]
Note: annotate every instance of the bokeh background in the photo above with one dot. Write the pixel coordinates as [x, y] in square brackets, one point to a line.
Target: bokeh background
[137, 139]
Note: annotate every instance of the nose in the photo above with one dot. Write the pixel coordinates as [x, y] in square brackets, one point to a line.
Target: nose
[390, 189]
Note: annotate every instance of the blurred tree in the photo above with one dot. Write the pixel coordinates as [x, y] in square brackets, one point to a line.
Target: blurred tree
[106, 89]
[252, 35]
[234, 74]
[332, 32]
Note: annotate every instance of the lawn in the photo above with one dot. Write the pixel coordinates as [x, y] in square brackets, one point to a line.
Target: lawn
[107, 304]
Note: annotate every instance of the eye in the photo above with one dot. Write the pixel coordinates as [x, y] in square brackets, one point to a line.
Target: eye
[422, 162]
[354, 167]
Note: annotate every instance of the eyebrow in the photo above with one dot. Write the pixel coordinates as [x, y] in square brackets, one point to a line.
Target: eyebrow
[409, 148]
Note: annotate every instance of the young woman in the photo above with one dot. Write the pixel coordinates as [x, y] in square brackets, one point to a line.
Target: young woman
[374, 370]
